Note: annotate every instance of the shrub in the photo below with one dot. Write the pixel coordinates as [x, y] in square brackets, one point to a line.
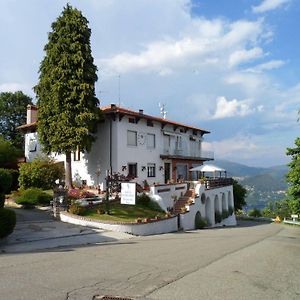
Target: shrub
[143, 199]
[40, 173]
[200, 222]
[225, 214]
[254, 213]
[218, 217]
[5, 181]
[15, 179]
[76, 209]
[79, 194]
[230, 210]
[5, 184]
[33, 196]
[7, 222]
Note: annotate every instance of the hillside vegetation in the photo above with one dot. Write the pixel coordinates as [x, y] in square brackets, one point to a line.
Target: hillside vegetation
[263, 184]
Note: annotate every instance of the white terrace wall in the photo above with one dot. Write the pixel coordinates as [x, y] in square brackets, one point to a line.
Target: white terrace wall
[207, 202]
[156, 227]
[166, 194]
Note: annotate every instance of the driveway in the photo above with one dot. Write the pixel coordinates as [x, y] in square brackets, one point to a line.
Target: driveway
[37, 230]
[251, 261]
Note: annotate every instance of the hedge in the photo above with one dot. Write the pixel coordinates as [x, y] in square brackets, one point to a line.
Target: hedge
[40, 173]
[33, 196]
[7, 222]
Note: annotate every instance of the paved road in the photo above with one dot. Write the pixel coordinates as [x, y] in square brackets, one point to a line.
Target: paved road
[37, 230]
[247, 262]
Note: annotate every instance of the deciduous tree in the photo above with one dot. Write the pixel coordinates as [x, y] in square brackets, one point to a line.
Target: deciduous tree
[67, 106]
[13, 114]
[239, 194]
[293, 177]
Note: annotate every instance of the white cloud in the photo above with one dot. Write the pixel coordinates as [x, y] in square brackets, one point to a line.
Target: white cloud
[226, 108]
[270, 65]
[243, 56]
[268, 5]
[201, 42]
[241, 148]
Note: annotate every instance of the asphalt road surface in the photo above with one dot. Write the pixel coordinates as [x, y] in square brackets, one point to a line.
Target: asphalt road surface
[251, 261]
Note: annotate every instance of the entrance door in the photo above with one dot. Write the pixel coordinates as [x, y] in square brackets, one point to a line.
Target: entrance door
[167, 168]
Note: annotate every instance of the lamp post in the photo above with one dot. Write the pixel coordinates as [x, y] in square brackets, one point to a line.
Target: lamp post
[98, 172]
[107, 179]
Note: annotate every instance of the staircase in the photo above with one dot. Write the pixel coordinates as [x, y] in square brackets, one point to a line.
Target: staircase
[182, 201]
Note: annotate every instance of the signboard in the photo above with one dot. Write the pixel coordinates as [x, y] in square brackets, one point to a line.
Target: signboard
[128, 193]
[294, 216]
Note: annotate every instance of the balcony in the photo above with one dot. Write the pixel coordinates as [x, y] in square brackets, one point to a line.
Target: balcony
[184, 153]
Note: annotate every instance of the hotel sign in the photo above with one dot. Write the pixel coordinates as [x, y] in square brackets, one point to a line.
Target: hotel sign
[128, 193]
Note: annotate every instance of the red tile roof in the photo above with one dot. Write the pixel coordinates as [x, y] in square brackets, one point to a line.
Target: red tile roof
[116, 109]
[125, 111]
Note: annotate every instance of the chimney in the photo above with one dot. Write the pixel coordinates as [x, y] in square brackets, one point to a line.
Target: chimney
[31, 114]
[141, 111]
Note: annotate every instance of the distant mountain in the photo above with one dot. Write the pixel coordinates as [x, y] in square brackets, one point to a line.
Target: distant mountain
[238, 170]
[263, 184]
[241, 170]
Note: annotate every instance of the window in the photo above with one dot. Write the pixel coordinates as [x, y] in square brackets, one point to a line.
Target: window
[151, 170]
[32, 145]
[77, 155]
[150, 140]
[149, 123]
[132, 120]
[131, 138]
[132, 170]
[178, 143]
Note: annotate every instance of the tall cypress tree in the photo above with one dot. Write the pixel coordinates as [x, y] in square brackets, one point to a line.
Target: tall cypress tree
[67, 107]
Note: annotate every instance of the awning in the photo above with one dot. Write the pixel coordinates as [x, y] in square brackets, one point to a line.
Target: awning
[207, 168]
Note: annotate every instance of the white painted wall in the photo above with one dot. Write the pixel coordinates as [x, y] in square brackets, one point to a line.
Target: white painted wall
[165, 195]
[122, 154]
[32, 138]
[156, 227]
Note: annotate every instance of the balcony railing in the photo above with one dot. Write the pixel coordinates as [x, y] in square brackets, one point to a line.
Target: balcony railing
[217, 182]
[209, 155]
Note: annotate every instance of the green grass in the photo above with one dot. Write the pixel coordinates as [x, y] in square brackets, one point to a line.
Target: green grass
[124, 213]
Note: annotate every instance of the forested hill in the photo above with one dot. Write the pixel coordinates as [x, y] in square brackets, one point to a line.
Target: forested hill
[263, 184]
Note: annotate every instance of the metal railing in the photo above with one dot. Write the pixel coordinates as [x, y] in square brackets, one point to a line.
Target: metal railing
[217, 182]
[185, 153]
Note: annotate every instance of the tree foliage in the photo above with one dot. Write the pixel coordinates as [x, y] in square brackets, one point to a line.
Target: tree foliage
[239, 194]
[68, 111]
[40, 173]
[8, 154]
[13, 114]
[293, 177]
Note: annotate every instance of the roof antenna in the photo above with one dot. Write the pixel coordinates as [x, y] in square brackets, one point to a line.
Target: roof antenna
[119, 88]
[163, 111]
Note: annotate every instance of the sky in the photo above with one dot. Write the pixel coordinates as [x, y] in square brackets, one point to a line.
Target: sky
[230, 67]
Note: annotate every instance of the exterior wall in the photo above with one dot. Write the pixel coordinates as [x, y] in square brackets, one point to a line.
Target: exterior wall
[157, 227]
[208, 208]
[30, 139]
[165, 195]
[120, 154]
[140, 154]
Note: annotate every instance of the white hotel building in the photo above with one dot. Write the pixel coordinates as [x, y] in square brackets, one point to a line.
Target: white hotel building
[154, 149]
[132, 143]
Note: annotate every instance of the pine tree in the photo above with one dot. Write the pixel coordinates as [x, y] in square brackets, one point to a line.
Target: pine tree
[67, 107]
